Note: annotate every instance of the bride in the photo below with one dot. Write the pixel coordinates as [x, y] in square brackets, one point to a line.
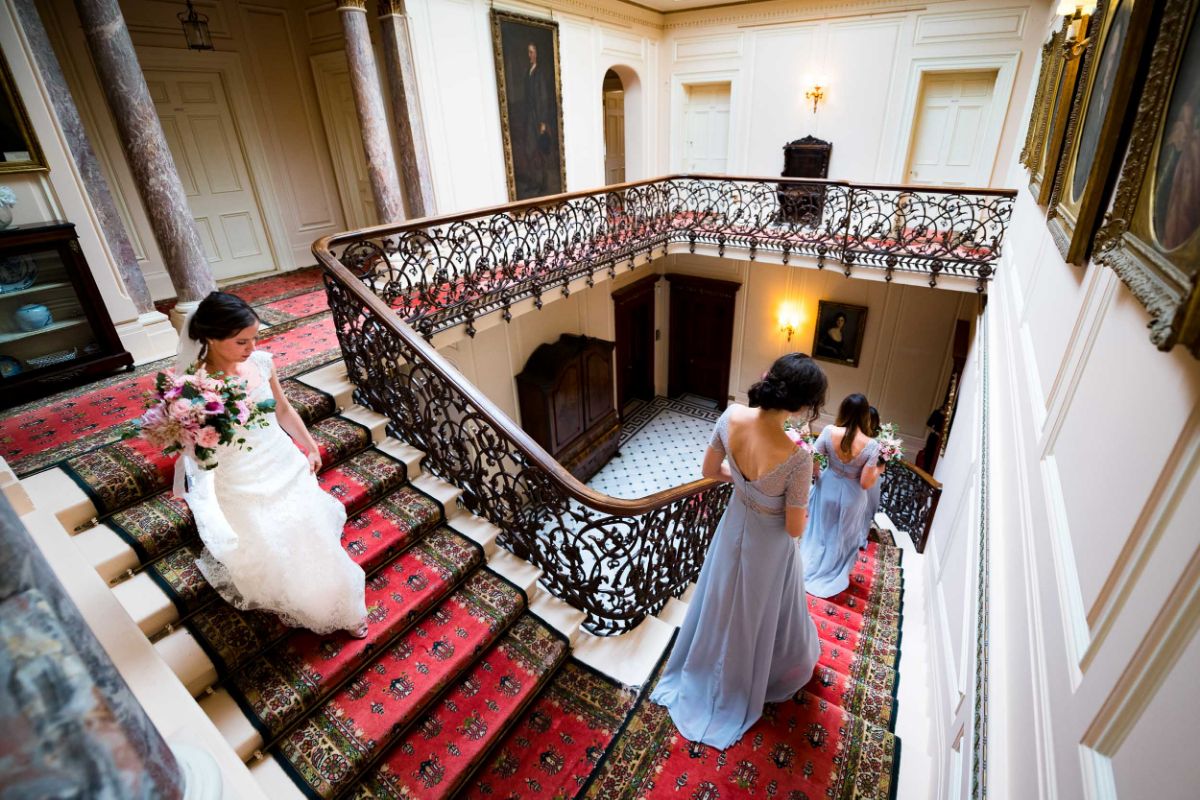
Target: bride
[272, 537]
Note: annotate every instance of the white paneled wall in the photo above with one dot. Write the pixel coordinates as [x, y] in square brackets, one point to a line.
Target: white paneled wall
[871, 65]
[1095, 546]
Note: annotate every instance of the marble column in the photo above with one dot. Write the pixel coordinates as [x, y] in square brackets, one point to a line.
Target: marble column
[146, 151]
[412, 151]
[368, 100]
[81, 151]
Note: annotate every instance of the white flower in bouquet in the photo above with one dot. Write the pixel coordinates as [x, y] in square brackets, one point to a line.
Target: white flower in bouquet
[8, 198]
[891, 449]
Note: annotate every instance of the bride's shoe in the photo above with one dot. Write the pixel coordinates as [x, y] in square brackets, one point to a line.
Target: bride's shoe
[360, 632]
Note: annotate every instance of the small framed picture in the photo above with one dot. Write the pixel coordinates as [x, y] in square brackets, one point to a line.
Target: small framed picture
[839, 334]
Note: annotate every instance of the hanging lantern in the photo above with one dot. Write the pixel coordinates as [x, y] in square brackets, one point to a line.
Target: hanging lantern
[195, 29]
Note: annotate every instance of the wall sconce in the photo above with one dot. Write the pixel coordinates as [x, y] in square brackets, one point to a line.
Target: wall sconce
[816, 94]
[195, 28]
[1078, 13]
[789, 320]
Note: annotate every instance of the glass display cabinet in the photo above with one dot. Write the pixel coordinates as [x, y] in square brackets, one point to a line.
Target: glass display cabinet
[54, 329]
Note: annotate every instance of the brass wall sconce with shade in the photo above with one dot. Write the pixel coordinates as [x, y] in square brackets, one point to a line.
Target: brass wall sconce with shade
[789, 319]
[195, 28]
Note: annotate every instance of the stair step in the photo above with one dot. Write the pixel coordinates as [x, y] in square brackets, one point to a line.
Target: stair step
[521, 573]
[478, 530]
[558, 739]
[107, 553]
[673, 612]
[331, 379]
[565, 619]
[363, 717]
[441, 751]
[444, 493]
[629, 658]
[871, 704]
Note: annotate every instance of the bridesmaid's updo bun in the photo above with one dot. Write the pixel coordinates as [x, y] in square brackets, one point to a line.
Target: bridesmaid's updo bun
[220, 316]
[793, 382]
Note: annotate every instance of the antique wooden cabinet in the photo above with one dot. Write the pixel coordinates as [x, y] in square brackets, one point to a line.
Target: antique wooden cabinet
[804, 158]
[566, 398]
[54, 329]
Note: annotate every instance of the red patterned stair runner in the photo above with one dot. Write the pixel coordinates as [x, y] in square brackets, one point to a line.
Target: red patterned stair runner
[327, 751]
[831, 741]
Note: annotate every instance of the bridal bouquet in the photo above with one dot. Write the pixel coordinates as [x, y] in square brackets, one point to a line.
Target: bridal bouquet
[891, 449]
[199, 411]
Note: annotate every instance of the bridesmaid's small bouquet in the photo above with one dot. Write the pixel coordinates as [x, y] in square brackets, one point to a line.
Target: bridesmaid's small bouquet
[199, 411]
[891, 449]
[806, 440]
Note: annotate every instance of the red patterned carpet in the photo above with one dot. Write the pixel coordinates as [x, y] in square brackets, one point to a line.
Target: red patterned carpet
[45, 432]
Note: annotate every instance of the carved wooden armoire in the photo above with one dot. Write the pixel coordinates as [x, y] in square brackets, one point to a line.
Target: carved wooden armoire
[566, 397]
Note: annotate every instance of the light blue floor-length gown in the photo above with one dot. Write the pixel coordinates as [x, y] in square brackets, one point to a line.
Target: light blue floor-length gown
[873, 497]
[747, 638]
[837, 517]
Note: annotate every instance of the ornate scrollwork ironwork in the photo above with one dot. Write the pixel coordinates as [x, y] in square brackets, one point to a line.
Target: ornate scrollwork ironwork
[616, 560]
[910, 497]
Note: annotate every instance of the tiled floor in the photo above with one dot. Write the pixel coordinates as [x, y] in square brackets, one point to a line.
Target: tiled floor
[662, 445]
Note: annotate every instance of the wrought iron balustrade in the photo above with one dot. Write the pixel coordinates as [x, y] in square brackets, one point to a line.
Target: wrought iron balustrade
[909, 497]
[445, 271]
[392, 287]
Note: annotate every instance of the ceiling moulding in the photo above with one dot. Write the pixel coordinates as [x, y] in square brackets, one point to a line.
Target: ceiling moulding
[786, 12]
[614, 12]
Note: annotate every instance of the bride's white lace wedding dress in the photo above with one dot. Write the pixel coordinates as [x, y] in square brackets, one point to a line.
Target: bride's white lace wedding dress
[272, 537]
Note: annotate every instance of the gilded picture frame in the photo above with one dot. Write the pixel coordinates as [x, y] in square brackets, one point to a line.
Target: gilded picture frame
[529, 87]
[1103, 100]
[1151, 236]
[1047, 86]
[839, 332]
[19, 148]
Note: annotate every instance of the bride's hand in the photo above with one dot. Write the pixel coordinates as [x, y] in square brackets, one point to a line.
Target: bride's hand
[314, 460]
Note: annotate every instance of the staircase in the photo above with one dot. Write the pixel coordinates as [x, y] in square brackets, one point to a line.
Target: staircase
[472, 679]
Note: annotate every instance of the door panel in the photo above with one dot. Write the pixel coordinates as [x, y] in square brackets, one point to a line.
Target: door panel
[952, 118]
[614, 137]
[633, 318]
[701, 337]
[706, 128]
[202, 136]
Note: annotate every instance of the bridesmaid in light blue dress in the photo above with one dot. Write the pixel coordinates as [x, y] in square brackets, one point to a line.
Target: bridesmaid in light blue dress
[873, 493]
[747, 638]
[838, 513]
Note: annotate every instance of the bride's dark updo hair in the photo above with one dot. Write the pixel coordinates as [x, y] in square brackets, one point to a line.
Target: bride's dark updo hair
[220, 316]
[793, 382]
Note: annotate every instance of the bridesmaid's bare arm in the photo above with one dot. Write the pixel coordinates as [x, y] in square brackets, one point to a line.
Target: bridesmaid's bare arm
[715, 466]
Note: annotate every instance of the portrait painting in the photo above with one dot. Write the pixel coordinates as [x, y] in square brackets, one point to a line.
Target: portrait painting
[1151, 236]
[19, 150]
[530, 93]
[1104, 100]
[839, 333]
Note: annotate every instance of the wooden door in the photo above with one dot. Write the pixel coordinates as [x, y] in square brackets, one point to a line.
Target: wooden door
[336, 97]
[706, 128]
[614, 137]
[952, 122]
[701, 337]
[633, 311]
[200, 131]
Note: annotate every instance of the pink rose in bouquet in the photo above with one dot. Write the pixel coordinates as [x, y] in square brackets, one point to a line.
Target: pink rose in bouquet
[200, 412]
[891, 449]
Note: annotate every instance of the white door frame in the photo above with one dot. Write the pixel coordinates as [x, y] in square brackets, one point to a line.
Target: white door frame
[1004, 64]
[229, 67]
[680, 82]
[325, 67]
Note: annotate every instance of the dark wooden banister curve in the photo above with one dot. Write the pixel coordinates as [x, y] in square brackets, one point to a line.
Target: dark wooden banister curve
[537, 491]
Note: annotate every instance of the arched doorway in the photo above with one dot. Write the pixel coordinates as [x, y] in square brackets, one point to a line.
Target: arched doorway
[614, 128]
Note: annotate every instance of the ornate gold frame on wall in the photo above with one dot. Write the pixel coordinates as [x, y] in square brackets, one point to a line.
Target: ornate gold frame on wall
[501, 90]
[37, 161]
[1164, 281]
[1073, 221]
[1051, 112]
[1047, 85]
